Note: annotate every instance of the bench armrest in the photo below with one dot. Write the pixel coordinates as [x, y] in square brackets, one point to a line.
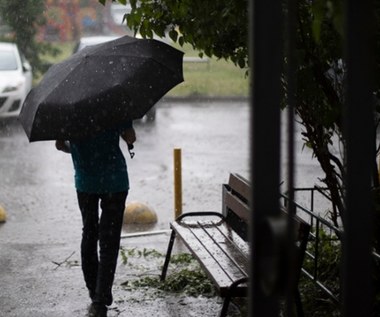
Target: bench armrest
[200, 213]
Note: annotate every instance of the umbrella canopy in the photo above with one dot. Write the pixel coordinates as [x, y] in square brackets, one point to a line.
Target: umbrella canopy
[100, 87]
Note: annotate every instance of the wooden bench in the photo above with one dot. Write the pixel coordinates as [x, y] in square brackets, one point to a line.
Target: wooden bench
[220, 240]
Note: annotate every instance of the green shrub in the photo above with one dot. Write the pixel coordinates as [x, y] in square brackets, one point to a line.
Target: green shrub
[317, 302]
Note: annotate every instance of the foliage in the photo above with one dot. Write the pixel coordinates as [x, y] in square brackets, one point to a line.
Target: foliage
[215, 28]
[327, 270]
[321, 77]
[319, 93]
[189, 282]
[134, 252]
[24, 18]
[186, 276]
[315, 301]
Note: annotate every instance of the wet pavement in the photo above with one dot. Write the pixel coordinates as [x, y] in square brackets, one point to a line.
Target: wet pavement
[39, 244]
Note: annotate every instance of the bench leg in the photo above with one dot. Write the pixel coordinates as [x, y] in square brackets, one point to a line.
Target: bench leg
[228, 297]
[298, 303]
[226, 303]
[168, 255]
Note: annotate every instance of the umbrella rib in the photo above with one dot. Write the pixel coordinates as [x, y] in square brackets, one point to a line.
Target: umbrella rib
[64, 79]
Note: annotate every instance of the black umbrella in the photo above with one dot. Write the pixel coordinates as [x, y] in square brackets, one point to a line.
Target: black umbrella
[100, 87]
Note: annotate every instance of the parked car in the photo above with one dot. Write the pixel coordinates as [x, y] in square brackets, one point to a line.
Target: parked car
[15, 79]
[93, 40]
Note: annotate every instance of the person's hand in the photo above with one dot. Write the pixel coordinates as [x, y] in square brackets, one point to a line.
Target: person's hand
[129, 136]
[62, 145]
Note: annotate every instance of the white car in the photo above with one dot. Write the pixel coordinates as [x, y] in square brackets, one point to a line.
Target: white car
[15, 79]
[93, 40]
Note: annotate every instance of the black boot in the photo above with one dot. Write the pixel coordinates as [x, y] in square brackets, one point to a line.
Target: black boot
[97, 310]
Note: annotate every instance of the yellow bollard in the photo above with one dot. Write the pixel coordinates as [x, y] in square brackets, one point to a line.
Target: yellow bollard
[177, 183]
[137, 212]
[3, 215]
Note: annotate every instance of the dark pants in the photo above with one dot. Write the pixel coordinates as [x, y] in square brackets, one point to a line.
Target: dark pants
[99, 270]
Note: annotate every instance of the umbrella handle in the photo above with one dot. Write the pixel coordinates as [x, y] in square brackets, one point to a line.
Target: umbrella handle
[130, 148]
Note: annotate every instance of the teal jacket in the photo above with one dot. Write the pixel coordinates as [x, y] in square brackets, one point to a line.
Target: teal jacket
[100, 166]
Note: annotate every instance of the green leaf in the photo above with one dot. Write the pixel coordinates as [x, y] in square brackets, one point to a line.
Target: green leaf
[241, 62]
[319, 11]
[125, 18]
[173, 34]
[149, 33]
[181, 41]
[316, 27]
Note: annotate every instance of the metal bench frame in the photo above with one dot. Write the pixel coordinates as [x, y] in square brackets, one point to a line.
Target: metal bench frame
[219, 242]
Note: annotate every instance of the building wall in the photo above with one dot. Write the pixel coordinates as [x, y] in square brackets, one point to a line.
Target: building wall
[67, 20]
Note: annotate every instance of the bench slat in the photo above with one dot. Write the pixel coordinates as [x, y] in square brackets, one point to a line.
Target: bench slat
[197, 249]
[233, 236]
[224, 252]
[237, 206]
[229, 248]
[240, 186]
[217, 254]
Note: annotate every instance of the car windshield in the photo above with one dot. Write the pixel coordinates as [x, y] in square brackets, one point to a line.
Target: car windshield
[7, 60]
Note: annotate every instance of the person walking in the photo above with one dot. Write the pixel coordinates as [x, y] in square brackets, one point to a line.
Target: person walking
[101, 177]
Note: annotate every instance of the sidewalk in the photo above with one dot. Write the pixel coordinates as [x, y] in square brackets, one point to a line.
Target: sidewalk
[51, 284]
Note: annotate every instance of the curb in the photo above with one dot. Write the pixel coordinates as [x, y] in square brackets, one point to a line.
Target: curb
[205, 98]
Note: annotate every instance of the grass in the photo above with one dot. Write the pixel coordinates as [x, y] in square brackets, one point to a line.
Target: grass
[214, 78]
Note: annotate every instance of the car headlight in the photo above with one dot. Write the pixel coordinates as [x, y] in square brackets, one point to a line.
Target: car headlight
[13, 87]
